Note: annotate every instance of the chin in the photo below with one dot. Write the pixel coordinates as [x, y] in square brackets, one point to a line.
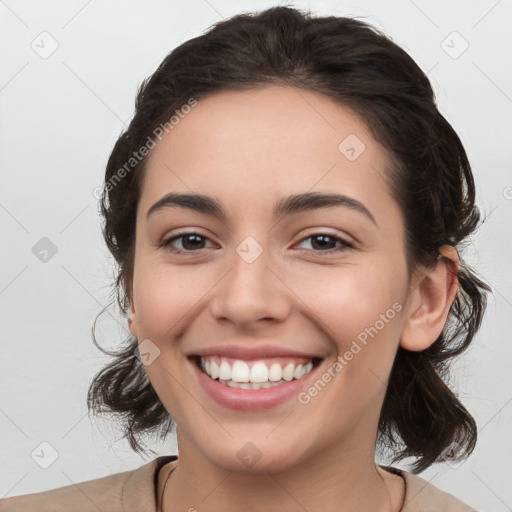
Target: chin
[254, 458]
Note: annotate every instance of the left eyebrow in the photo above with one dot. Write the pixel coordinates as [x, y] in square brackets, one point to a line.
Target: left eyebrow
[288, 205]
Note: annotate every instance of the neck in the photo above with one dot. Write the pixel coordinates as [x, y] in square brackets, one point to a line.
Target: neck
[338, 480]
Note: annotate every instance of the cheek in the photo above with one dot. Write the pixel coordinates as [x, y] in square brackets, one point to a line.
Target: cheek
[348, 302]
[166, 296]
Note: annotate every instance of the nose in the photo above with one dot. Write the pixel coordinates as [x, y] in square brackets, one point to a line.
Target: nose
[251, 293]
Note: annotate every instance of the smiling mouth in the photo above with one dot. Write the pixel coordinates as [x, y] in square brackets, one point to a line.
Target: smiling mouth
[256, 374]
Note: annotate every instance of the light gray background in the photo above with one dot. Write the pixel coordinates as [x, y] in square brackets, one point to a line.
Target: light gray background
[60, 117]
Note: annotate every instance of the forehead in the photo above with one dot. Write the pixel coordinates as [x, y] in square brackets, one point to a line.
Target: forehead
[261, 144]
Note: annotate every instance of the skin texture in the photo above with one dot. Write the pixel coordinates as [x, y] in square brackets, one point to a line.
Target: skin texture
[248, 149]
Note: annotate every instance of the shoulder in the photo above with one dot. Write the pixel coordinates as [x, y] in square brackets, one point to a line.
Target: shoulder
[422, 496]
[129, 490]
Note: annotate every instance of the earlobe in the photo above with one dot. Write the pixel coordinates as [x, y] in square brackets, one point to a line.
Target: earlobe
[430, 302]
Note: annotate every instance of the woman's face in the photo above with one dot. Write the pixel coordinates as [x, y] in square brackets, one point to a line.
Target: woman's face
[328, 281]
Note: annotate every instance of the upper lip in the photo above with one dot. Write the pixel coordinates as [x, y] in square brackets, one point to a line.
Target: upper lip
[251, 352]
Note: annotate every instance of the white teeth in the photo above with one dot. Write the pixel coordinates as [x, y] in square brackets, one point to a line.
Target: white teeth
[225, 371]
[239, 374]
[251, 385]
[214, 369]
[288, 371]
[275, 372]
[259, 372]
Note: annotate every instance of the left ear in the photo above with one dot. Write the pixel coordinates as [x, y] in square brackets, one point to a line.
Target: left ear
[430, 302]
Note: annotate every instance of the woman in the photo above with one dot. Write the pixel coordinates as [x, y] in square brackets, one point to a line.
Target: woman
[285, 209]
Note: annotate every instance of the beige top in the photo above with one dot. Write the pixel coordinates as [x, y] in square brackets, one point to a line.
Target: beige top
[136, 491]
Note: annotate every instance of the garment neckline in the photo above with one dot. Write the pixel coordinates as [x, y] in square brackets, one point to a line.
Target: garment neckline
[164, 460]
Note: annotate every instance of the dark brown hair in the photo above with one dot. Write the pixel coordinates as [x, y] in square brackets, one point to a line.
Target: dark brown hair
[430, 177]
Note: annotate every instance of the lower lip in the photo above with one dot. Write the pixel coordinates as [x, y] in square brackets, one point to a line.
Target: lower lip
[250, 399]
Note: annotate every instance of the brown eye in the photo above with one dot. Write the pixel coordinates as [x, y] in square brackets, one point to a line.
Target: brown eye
[325, 242]
[190, 242]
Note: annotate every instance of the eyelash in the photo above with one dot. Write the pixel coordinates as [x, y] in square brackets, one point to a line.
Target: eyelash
[166, 243]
